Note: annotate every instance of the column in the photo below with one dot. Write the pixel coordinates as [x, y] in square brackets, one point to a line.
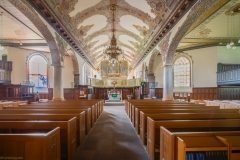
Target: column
[57, 84]
[168, 83]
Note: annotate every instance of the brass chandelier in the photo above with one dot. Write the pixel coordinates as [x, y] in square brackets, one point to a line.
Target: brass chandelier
[112, 66]
[113, 51]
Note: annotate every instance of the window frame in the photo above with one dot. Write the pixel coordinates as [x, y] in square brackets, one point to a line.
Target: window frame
[28, 65]
[183, 88]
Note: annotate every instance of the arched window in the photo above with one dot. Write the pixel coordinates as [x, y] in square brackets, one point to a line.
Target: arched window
[182, 72]
[38, 70]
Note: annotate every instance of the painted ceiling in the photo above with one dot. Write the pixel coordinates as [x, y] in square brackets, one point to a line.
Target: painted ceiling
[136, 23]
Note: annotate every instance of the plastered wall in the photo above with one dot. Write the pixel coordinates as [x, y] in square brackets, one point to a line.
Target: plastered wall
[19, 60]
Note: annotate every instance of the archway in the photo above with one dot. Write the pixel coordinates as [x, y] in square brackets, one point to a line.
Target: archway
[76, 73]
[168, 50]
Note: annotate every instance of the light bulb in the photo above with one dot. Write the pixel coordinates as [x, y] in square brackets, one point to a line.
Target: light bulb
[1, 47]
[228, 46]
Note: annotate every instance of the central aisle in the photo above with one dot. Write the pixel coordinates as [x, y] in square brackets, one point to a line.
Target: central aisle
[112, 138]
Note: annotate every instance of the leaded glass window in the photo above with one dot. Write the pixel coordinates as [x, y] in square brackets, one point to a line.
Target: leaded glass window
[182, 72]
[38, 71]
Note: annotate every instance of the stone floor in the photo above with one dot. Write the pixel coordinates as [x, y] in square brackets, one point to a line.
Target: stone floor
[112, 138]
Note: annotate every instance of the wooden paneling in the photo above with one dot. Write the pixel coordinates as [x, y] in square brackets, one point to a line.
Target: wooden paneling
[158, 92]
[208, 93]
[228, 93]
[126, 91]
[71, 93]
[100, 92]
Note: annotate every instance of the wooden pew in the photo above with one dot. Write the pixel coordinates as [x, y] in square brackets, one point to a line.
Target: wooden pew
[153, 130]
[92, 108]
[155, 103]
[13, 103]
[67, 132]
[136, 117]
[132, 110]
[180, 116]
[168, 137]
[98, 104]
[95, 105]
[169, 110]
[52, 111]
[80, 119]
[31, 146]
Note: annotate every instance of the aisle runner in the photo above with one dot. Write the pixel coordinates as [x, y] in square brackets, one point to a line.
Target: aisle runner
[112, 138]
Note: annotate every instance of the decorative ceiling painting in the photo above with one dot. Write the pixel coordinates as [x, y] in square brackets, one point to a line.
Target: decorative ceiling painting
[139, 26]
[218, 28]
[90, 23]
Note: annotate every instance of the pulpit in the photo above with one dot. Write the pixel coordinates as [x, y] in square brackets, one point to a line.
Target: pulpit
[129, 96]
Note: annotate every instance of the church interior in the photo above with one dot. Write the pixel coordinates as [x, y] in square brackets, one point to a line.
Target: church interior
[120, 79]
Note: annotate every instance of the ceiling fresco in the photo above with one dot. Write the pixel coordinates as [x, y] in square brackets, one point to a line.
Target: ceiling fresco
[89, 25]
[16, 29]
[218, 28]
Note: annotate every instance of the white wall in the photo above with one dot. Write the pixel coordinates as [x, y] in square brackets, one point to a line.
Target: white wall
[228, 56]
[19, 62]
[204, 66]
[158, 71]
[19, 70]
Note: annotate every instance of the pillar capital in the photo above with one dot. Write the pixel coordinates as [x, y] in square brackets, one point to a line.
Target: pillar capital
[57, 65]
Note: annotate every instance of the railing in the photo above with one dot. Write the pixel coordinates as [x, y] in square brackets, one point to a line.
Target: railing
[6, 65]
[120, 83]
[230, 77]
[5, 76]
[5, 72]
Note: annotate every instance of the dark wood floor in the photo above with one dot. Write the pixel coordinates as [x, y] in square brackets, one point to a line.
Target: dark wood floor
[112, 138]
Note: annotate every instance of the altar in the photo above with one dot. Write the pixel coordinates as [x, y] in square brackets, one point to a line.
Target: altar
[114, 97]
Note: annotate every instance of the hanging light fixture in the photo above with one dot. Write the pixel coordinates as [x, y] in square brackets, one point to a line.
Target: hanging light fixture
[230, 26]
[112, 66]
[239, 23]
[1, 34]
[113, 51]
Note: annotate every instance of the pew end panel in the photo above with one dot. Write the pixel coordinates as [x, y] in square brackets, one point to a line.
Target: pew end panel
[204, 144]
[72, 141]
[150, 137]
[67, 132]
[82, 127]
[173, 133]
[233, 142]
[31, 146]
[167, 141]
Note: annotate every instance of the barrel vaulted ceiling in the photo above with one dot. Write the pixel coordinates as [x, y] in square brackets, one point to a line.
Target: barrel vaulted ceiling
[139, 25]
[89, 23]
